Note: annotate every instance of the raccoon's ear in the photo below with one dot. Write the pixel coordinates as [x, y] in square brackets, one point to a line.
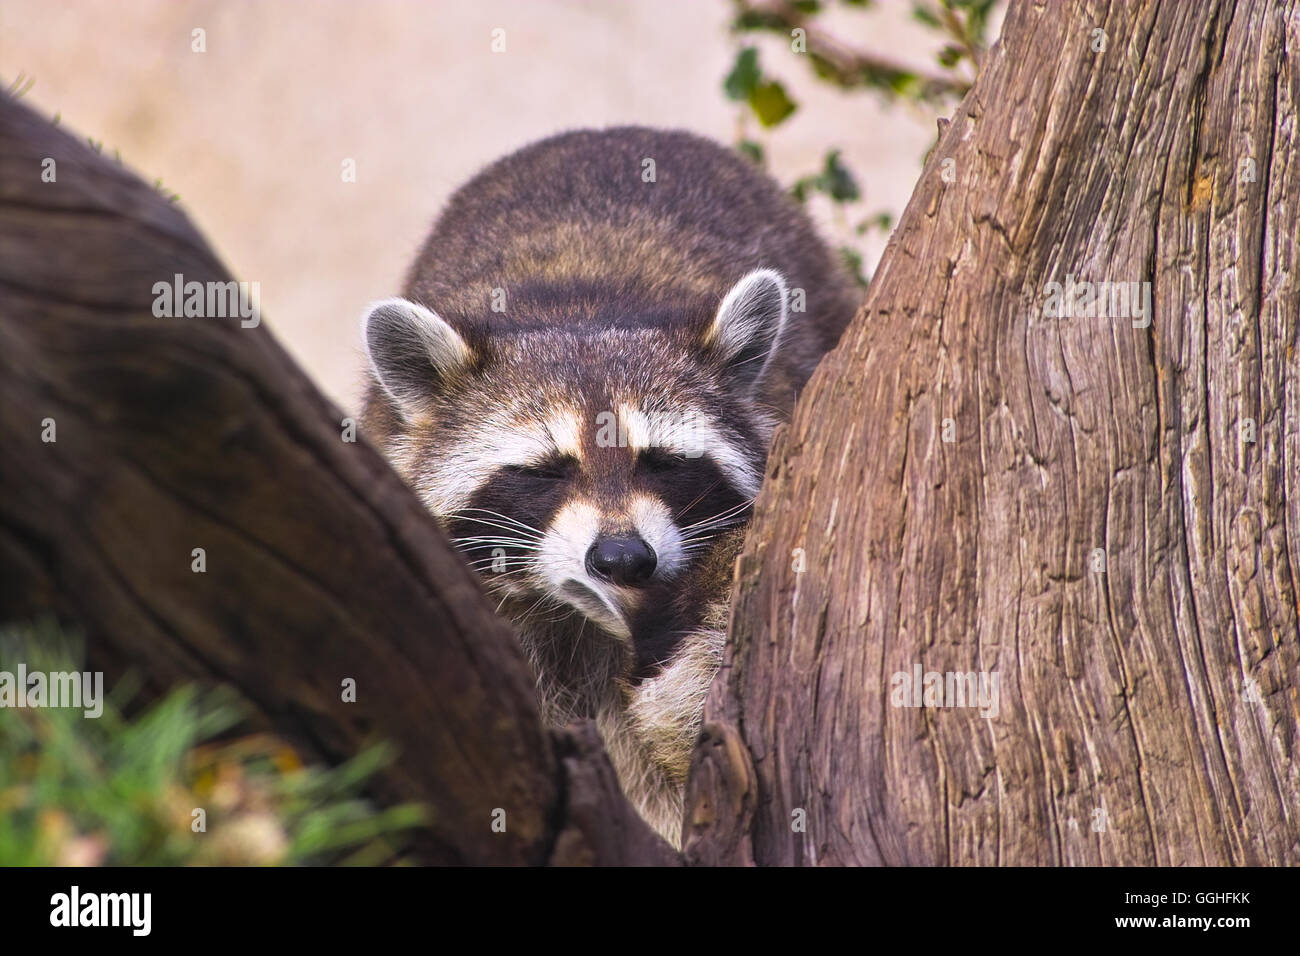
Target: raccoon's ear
[747, 328]
[411, 349]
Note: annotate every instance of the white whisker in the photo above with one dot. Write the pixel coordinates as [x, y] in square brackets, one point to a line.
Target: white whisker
[732, 514]
[513, 525]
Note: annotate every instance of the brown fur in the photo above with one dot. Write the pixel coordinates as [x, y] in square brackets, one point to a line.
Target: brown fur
[571, 233]
[611, 286]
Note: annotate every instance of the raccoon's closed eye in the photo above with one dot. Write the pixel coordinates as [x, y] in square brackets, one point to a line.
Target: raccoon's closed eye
[656, 459]
[552, 469]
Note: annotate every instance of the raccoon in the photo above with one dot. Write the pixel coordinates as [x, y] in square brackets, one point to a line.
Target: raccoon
[580, 380]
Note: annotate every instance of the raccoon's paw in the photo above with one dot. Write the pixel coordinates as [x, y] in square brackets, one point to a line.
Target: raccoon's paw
[664, 712]
[650, 737]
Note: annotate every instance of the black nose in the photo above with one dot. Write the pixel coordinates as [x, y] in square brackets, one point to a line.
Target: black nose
[623, 560]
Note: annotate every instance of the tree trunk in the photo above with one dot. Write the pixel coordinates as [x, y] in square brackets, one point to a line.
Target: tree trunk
[1103, 513]
[173, 434]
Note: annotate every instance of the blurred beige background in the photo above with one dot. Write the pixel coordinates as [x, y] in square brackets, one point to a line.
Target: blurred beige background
[253, 133]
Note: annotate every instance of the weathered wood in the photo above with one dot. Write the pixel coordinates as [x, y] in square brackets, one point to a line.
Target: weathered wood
[1160, 691]
[718, 835]
[181, 433]
[598, 830]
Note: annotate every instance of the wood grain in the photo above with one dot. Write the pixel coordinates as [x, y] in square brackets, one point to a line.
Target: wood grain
[1161, 690]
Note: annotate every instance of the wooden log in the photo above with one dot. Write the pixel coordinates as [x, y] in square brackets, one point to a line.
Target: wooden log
[175, 434]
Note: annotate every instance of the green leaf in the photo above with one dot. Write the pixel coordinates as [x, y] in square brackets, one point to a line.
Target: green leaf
[839, 183]
[853, 259]
[833, 179]
[770, 103]
[21, 85]
[749, 20]
[907, 85]
[744, 76]
[881, 220]
[950, 56]
[752, 151]
[923, 13]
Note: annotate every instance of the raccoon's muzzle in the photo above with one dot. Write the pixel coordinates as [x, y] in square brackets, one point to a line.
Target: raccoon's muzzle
[622, 559]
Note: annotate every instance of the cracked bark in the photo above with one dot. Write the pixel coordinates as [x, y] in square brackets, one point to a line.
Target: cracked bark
[1161, 691]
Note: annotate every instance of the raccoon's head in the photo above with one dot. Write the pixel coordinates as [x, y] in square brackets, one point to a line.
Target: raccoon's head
[579, 464]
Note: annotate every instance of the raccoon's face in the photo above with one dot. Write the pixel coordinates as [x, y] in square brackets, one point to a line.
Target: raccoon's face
[579, 466]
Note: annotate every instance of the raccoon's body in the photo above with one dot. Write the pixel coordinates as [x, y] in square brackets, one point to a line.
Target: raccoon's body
[581, 381]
